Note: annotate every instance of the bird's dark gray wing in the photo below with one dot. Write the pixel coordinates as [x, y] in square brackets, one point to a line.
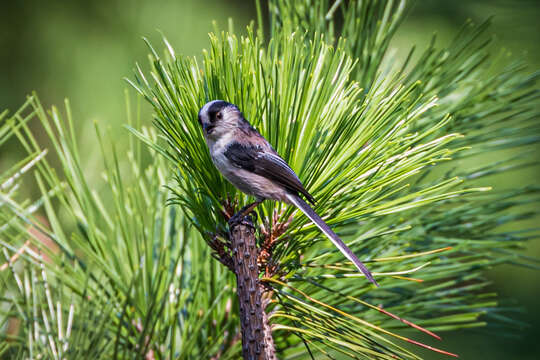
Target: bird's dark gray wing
[271, 166]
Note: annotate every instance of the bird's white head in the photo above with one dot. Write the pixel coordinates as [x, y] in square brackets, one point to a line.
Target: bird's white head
[219, 118]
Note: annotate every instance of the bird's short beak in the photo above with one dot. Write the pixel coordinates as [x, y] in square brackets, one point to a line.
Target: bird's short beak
[207, 128]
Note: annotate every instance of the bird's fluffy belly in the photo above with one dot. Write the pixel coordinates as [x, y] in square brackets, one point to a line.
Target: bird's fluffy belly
[249, 182]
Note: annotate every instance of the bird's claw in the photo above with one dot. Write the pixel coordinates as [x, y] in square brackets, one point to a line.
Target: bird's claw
[246, 216]
[240, 219]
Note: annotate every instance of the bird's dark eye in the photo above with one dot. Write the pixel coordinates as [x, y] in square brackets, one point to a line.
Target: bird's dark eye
[214, 116]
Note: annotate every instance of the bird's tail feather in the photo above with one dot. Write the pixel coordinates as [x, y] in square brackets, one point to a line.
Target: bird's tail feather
[310, 213]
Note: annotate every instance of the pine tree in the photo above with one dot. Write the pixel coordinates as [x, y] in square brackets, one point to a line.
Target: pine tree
[394, 153]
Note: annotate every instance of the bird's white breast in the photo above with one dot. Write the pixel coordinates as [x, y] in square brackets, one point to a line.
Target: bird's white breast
[246, 181]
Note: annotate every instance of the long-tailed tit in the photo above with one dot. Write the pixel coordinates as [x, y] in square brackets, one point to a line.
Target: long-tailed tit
[249, 162]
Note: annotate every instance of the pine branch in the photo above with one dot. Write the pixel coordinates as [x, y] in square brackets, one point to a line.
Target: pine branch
[257, 343]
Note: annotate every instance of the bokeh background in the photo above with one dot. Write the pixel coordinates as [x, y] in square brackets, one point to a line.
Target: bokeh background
[83, 49]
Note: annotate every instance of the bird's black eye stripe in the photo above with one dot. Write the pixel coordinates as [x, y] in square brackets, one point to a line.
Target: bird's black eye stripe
[215, 115]
[215, 110]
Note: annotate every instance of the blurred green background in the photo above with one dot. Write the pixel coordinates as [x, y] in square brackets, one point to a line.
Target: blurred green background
[82, 50]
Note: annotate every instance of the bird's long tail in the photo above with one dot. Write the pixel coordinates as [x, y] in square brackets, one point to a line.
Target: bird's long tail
[310, 213]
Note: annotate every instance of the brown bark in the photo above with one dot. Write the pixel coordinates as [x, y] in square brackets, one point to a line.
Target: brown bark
[270, 347]
[257, 342]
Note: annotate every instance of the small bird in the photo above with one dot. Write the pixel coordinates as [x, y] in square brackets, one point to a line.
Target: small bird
[247, 160]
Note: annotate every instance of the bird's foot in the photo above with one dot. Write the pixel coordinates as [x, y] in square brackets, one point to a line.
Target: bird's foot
[243, 216]
[241, 219]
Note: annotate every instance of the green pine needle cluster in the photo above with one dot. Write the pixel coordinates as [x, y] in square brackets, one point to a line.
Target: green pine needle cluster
[396, 154]
[110, 271]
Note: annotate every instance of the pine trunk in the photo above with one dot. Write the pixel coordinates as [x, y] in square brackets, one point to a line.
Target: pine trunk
[257, 342]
